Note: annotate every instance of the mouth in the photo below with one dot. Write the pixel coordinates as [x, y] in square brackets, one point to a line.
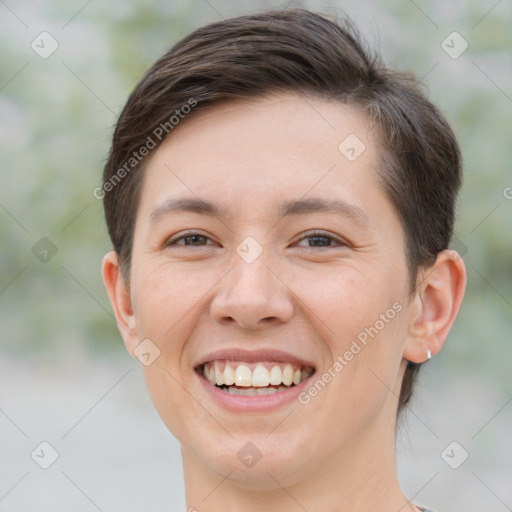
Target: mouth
[249, 378]
[253, 381]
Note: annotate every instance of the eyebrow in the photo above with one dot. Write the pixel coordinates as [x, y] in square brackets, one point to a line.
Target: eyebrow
[287, 208]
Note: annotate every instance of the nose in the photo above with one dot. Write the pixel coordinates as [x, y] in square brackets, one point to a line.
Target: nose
[253, 296]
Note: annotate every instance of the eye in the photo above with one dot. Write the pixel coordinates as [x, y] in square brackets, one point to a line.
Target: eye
[322, 239]
[315, 239]
[190, 240]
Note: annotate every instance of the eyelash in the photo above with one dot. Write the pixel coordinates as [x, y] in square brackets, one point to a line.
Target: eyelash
[313, 234]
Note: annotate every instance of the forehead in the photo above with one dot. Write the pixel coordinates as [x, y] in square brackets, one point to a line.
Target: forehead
[265, 147]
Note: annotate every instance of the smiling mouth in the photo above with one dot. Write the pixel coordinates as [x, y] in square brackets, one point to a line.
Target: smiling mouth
[251, 379]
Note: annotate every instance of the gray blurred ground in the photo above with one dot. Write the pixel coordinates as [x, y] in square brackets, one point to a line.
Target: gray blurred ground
[64, 375]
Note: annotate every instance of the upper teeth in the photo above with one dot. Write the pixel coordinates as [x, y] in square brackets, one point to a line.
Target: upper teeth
[263, 374]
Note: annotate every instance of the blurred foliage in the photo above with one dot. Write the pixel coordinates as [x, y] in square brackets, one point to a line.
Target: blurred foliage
[57, 116]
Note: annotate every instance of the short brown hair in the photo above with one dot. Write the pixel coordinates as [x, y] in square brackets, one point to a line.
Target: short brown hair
[295, 50]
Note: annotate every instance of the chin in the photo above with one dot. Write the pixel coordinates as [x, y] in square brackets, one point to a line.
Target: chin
[256, 462]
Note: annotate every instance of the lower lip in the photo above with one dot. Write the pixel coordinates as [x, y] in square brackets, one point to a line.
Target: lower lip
[257, 403]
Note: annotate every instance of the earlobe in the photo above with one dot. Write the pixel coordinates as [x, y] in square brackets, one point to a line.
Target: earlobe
[120, 300]
[435, 306]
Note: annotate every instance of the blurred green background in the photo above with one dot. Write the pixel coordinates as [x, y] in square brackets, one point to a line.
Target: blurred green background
[57, 115]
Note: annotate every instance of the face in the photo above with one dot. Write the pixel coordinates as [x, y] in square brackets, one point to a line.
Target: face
[290, 297]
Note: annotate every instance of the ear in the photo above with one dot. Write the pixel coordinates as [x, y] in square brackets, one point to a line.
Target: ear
[120, 299]
[435, 305]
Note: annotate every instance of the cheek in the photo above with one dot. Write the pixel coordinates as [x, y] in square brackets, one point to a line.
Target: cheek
[166, 300]
[361, 318]
[175, 408]
[343, 302]
[367, 317]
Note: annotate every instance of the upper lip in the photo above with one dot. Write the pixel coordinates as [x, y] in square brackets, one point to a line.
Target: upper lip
[250, 356]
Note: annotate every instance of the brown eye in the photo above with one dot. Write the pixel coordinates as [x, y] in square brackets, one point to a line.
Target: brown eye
[190, 239]
[320, 239]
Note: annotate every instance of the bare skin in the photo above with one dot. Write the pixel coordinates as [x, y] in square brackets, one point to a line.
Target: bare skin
[310, 297]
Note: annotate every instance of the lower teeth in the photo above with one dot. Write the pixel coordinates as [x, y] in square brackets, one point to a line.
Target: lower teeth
[250, 391]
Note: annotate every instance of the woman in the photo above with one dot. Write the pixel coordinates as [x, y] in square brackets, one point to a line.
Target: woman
[280, 206]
